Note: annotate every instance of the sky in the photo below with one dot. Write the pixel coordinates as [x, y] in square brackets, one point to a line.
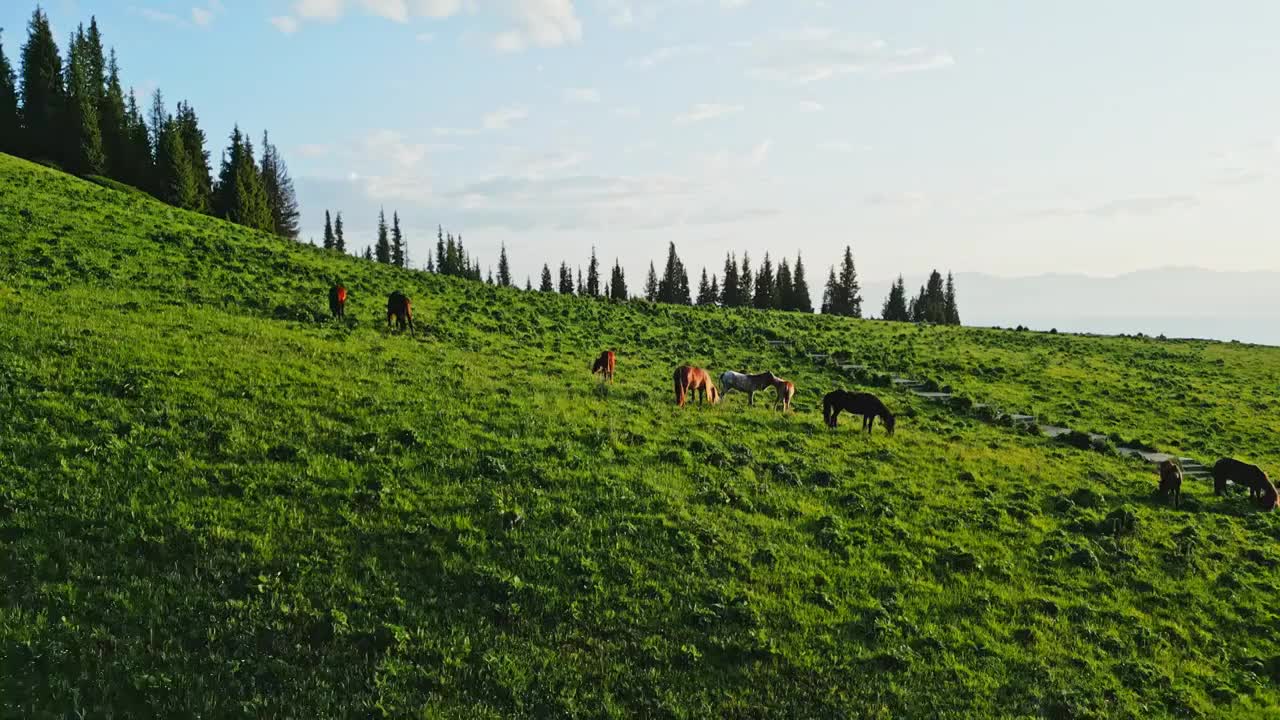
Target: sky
[996, 136]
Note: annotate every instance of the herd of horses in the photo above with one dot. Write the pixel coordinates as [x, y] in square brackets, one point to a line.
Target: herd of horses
[691, 382]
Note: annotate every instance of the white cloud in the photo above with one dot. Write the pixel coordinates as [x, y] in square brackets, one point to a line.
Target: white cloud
[588, 96]
[313, 150]
[706, 111]
[201, 16]
[159, 16]
[818, 54]
[664, 54]
[393, 10]
[285, 24]
[319, 9]
[502, 118]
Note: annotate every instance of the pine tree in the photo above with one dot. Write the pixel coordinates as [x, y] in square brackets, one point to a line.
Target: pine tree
[193, 141]
[546, 285]
[895, 306]
[765, 286]
[278, 186]
[489, 280]
[95, 62]
[831, 294]
[157, 116]
[528, 284]
[617, 282]
[582, 289]
[729, 293]
[784, 292]
[139, 167]
[42, 91]
[178, 183]
[850, 291]
[113, 121]
[952, 312]
[398, 256]
[382, 249]
[339, 242]
[83, 146]
[431, 263]
[674, 286]
[10, 120]
[715, 290]
[566, 279]
[504, 268]
[328, 231]
[651, 285]
[800, 299]
[704, 290]
[368, 253]
[440, 252]
[935, 300]
[746, 282]
[240, 196]
[593, 275]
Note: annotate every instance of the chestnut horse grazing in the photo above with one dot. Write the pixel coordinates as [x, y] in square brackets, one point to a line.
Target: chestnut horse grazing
[749, 384]
[1244, 475]
[399, 307]
[338, 301]
[786, 392]
[696, 380]
[604, 365]
[1171, 481]
[864, 404]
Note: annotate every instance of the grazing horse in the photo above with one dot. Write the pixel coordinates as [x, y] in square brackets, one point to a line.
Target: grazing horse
[604, 365]
[1244, 475]
[864, 404]
[749, 384]
[697, 380]
[399, 307]
[338, 301]
[786, 392]
[1171, 481]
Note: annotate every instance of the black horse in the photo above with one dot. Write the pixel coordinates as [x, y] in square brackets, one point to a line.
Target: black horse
[864, 404]
[1246, 476]
[399, 307]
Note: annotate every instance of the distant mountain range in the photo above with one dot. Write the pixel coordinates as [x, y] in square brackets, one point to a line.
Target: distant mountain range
[1177, 302]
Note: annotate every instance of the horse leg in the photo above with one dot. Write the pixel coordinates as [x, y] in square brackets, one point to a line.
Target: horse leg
[751, 398]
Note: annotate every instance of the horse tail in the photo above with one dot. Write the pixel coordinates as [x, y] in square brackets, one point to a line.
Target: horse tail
[680, 388]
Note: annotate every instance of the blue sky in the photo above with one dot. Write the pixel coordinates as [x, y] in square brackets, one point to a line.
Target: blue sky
[989, 135]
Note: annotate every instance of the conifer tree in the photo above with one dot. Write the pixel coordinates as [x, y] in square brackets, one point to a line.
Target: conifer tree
[763, 299]
[382, 249]
[368, 253]
[952, 313]
[528, 284]
[617, 282]
[440, 252]
[784, 292]
[895, 306]
[328, 231]
[935, 300]
[398, 256]
[83, 148]
[746, 282]
[715, 290]
[566, 279]
[42, 91]
[113, 121]
[240, 197]
[157, 116]
[593, 275]
[674, 286]
[830, 294]
[800, 299]
[704, 290]
[546, 285]
[431, 264]
[10, 120]
[489, 280]
[729, 294]
[504, 268]
[339, 242]
[139, 167]
[582, 289]
[193, 141]
[651, 285]
[95, 62]
[278, 186]
[178, 183]
[850, 291]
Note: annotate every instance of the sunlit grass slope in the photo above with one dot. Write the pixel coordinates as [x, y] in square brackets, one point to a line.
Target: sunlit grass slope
[215, 502]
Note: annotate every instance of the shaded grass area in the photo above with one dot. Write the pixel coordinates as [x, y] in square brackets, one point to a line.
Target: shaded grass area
[215, 503]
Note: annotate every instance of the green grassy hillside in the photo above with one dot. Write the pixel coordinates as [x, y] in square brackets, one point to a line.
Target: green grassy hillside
[215, 502]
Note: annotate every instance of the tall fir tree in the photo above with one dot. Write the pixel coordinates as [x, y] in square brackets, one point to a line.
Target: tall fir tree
[157, 117]
[193, 141]
[339, 242]
[240, 196]
[546, 285]
[368, 253]
[715, 289]
[581, 288]
[528, 284]
[674, 286]
[765, 286]
[440, 251]
[617, 282]
[431, 263]
[895, 306]
[729, 292]
[934, 300]
[651, 285]
[566, 279]
[173, 163]
[593, 275]
[278, 186]
[831, 293]
[746, 282]
[504, 267]
[704, 290]
[95, 61]
[952, 312]
[399, 254]
[83, 144]
[10, 120]
[42, 91]
[113, 121]
[139, 166]
[382, 249]
[800, 299]
[783, 290]
[328, 231]
[850, 290]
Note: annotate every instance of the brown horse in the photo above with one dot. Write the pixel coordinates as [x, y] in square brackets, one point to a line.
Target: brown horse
[1247, 476]
[864, 404]
[1171, 481]
[697, 380]
[338, 301]
[786, 392]
[605, 365]
[400, 307]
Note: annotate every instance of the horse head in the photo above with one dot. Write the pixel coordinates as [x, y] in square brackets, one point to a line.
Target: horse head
[889, 422]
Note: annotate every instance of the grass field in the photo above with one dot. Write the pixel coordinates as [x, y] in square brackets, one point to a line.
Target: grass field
[215, 502]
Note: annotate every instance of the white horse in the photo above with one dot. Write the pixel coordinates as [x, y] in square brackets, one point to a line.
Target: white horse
[749, 384]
